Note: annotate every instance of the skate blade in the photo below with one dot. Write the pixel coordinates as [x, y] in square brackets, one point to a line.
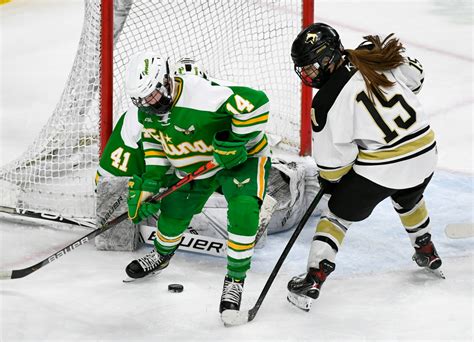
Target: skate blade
[142, 279]
[437, 272]
[301, 302]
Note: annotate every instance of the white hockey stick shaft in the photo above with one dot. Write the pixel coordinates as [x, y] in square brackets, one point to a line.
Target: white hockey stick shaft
[459, 230]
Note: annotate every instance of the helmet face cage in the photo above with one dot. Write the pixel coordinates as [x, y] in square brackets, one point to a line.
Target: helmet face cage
[313, 51]
[304, 75]
[163, 105]
[321, 65]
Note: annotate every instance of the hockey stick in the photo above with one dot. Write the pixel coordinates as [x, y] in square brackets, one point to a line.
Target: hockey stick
[36, 215]
[20, 273]
[235, 317]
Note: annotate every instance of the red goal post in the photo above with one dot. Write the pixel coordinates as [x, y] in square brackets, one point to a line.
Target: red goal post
[107, 33]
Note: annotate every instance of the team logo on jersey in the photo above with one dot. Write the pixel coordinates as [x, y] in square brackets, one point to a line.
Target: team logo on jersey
[147, 64]
[185, 131]
[313, 117]
[183, 148]
[241, 184]
[311, 38]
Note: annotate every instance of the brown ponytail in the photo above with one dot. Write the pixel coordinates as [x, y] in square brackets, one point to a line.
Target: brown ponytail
[372, 57]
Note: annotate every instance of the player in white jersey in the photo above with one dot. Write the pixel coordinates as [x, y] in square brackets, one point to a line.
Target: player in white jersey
[371, 139]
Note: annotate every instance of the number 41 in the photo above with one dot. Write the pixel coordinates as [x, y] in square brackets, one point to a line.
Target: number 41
[120, 162]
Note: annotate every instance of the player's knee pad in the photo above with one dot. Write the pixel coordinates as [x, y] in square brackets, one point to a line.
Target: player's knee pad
[242, 214]
[402, 207]
[350, 213]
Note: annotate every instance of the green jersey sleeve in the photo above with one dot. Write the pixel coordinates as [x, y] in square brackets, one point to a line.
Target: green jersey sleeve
[123, 153]
[250, 110]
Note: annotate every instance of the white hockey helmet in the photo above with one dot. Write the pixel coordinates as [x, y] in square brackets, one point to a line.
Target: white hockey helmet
[189, 66]
[148, 73]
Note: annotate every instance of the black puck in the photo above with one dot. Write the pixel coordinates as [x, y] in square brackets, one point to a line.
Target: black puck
[175, 288]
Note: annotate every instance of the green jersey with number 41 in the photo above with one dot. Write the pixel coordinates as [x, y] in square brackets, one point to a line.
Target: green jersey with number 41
[200, 109]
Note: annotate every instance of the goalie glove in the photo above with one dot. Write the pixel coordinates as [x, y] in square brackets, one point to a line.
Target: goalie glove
[228, 153]
[138, 191]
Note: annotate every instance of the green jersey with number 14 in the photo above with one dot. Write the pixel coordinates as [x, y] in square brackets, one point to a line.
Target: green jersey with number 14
[200, 109]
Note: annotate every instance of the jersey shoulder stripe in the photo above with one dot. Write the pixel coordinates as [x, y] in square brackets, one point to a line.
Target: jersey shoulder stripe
[327, 95]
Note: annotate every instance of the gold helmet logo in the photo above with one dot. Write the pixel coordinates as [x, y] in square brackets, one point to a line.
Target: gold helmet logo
[311, 38]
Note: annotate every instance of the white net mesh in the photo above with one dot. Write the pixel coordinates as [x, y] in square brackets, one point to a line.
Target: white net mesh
[242, 41]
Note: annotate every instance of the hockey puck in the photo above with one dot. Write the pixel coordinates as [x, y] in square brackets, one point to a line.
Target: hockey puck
[175, 288]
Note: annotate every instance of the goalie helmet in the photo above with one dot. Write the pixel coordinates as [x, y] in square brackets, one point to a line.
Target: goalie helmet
[149, 84]
[186, 65]
[313, 51]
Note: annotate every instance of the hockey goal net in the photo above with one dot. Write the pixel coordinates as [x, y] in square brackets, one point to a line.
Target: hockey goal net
[245, 41]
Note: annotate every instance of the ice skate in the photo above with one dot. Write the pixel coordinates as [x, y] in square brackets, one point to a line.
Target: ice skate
[231, 294]
[148, 265]
[426, 255]
[304, 288]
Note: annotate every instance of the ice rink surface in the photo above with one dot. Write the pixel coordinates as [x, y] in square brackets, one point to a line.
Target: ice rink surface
[376, 293]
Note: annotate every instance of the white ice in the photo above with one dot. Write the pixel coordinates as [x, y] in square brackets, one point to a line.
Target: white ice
[376, 292]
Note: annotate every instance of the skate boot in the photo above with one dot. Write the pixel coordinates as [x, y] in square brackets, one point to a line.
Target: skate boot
[231, 294]
[426, 254]
[304, 288]
[151, 263]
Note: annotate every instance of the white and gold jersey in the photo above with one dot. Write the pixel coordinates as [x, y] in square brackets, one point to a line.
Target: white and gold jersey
[387, 140]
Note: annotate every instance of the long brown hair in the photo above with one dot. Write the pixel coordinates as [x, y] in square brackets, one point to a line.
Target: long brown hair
[374, 56]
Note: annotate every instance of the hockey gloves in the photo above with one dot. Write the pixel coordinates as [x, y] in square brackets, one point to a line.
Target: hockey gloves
[138, 191]
[228, 153]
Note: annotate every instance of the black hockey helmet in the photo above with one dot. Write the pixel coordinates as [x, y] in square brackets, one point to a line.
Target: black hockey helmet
[317, 46]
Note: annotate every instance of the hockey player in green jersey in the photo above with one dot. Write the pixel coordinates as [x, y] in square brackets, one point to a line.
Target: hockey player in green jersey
[372, 141]
[187, 121]
[123, 154]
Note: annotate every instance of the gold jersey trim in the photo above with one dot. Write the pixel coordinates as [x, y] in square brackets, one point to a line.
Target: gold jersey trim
[398, 151]
[336, 174]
